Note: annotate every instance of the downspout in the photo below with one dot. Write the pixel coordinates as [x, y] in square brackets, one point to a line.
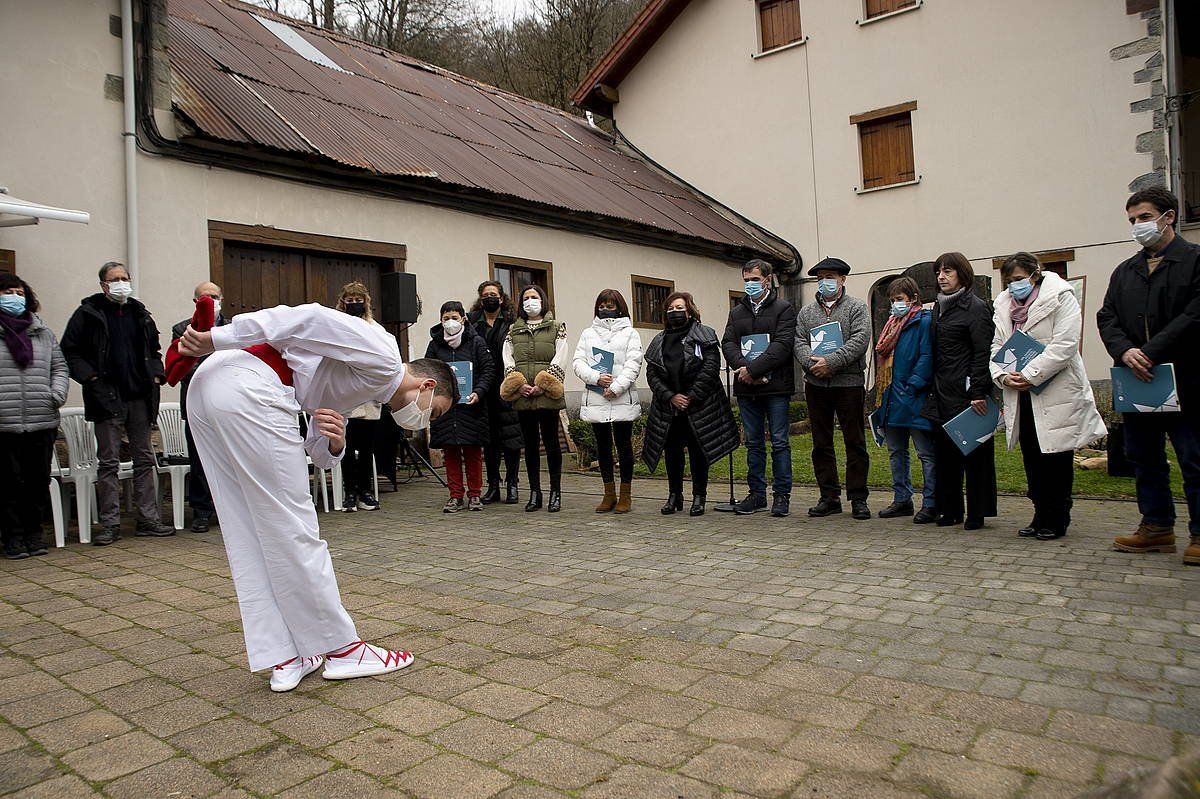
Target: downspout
[129, 135]
[1173, 107]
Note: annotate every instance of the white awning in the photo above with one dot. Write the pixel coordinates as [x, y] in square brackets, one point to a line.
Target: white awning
[15, 211]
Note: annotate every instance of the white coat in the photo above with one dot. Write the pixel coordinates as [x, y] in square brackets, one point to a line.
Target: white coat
[1065, 414]
[619, 337]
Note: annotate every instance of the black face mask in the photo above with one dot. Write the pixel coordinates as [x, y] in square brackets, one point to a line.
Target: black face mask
[356, 308]
[677, 319]
[604, 313]
[490, 303]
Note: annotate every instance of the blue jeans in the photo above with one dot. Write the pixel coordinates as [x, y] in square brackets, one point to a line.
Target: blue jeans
[1145, 445]
[758, 414]
[897, 443]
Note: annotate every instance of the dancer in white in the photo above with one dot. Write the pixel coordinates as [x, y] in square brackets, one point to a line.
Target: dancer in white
[243, 407]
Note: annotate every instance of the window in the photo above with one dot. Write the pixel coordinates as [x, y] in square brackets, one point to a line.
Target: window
[649, 293]
[886, 145]
[877, 8]
[778, 23]
[8, 262]
[735, 297]
[517, 273]
[1051, 260]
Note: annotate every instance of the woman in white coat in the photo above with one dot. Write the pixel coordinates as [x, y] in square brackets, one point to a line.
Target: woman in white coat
[1048, 405]
[608, 360]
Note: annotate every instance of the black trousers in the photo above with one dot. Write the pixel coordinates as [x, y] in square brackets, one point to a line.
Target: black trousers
[1049, 475]
[356, 463]
[495, 450]
[199, 495]
[24, 487]
[681, 437]
[979, 470]
[622, 434]
[541, 424]
[846, 404]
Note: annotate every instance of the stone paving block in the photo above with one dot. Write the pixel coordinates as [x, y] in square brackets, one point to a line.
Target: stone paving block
[264, 705]
[841, 750]
[584, 689]
[658, 707]
[805, 676]
[11, 738]
[483, 738]
[733, 691]
[20, 768]
[178, 777]
[825, 711]
[530, 791]
[754, 772]
[116, 757]
[559, 764]
[67, 786]
[274, 768]
[342, 782]
[918, 728]
[73, 660]
[380, 752]
[222, 739]
[450, 775]
[649, 744]
[321, 725]
[504, 702]
[38, 709]
[461, 656]
[955, 775]
[416, 715]
[639, 782]
[178, 715]
[522, 672]
[1107, 733]
[1051, 758]
[26, 684]
[893, 693]
[574, 723]
[989, 711]
[1050, 788]
[76, 732]
[831, 785]
[439, 682]
[663, 676]
[751, 730]
[585, 658]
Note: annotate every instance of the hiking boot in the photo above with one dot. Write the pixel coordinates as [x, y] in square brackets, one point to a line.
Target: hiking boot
[1191, 555]
[106, 536]
[826, 506]
[609, 500]
[753, 503]
[859, 509]
[35, 547]
[781, 506]
[1147, 538]
[15, 552]
[201, 522]
[925, 516]
[156, 529]
[897, 509]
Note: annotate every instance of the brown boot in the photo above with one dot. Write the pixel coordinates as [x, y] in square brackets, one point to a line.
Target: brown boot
[1148, 538]
[610, 498]
[625, 503]
[1191, 555]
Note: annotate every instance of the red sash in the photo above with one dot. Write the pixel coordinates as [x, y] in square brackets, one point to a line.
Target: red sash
[271, 357]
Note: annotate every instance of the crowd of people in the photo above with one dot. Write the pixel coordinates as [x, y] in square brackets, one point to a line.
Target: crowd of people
[934, 359]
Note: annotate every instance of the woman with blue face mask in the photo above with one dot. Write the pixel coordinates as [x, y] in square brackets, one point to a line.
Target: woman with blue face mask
[33, 386]
[1048, 405]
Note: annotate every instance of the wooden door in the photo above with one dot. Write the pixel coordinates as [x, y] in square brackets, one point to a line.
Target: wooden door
[257, 276]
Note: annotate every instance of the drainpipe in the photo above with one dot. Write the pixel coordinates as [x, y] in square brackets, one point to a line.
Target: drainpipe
[1173, 107]
[129, 134]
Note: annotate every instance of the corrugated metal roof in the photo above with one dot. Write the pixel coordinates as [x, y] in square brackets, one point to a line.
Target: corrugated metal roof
[390, 115]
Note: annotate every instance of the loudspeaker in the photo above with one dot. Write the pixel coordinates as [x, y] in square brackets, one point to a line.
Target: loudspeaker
[398, 300]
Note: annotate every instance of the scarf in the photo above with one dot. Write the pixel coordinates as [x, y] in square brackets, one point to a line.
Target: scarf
[453, 341]
[673, 357]
[1020, 310]
[885, 349]
[945, 298]
[16, 336]
[178, 365]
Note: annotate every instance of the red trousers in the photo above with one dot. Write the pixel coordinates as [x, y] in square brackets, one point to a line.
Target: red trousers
[470, 460]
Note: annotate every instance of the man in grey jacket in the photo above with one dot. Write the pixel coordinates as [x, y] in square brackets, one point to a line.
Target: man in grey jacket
[834, 385]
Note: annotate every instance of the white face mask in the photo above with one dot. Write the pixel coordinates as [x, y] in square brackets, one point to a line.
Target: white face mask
[120, 290]
[216, 308]
[452, 327]
[532, 306]
[1147, 234]
[411, 417]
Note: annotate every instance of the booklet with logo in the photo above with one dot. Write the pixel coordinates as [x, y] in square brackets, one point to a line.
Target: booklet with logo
[755, 345]
[464, 373]
[826, 339]
[602, 362]
[968, 430]
[1131, 395]
[1017, 353]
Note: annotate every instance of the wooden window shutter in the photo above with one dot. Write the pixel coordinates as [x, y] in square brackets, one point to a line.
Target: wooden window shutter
[779, 22]
[876, 8]
[887, 151]
[8, 262]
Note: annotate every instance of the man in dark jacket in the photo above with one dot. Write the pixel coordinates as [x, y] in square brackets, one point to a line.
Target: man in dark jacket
[834, 387]
[112, 349]
[757, 345]
[1151, 316]
[199, 497]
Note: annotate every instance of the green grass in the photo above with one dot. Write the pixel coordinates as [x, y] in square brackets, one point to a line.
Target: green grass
[1010, 473]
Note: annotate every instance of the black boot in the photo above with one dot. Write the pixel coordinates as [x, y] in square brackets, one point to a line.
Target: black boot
[535, 500]
[674, 503]
[555, 503]
[491, 495]
[697, 508]
[514, 494]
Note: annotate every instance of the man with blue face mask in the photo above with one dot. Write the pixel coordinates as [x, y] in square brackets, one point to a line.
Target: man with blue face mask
[835, 389]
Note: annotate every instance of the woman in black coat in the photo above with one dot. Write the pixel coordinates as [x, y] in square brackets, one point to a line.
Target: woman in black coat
[462, 432]
[690, 409]
[491, 316]
[962, 330]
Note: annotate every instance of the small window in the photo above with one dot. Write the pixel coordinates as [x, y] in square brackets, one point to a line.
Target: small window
[8, 262]
[734, 298]
[778, 23]
[886, 146]
[516, 273]
[649, 294]
[1055, 261]
[877, 8]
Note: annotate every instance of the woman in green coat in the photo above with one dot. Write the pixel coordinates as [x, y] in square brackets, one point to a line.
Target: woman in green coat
[535, 360]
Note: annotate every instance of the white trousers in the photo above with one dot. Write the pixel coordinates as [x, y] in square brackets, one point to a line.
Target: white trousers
[245, 424]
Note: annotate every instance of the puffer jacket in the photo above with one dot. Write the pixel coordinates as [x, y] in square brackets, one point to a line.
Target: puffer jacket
[709, 413]
[30, 397]
[619, 337]
[463, 425]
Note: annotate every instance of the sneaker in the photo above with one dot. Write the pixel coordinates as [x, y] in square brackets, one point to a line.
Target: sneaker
[361, 659]
[201, 522]
[453, 505]
[367, 502]
[107, 535]
[474, 503]
[859, 509]
[287, 675]
[781, 506]
[753, 503]
[150, 527]
[826, 506]
[349, 504]
[35, 547]
[15, 553]
[897, 509]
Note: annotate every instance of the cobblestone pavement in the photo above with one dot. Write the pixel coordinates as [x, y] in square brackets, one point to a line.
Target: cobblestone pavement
[600, 656]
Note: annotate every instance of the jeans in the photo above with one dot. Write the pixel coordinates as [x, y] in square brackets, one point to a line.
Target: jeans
[680, 436]
[360, 449]
[24, 479]
[1145, 445]
[897, 439]
[846, 405]
[458, 460]
[543, 424]
[622, 433]
[1050, 476]
[136, 423]
[758, 415]
[199, 495]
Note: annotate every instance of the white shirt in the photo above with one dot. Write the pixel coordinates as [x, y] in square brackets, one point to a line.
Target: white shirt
[337, 361]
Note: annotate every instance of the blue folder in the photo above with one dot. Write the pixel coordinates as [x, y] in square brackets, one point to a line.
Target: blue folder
[826, 339]
[968, 430]
[875, 419]
[464, 373]
[1131, 395]
[602, 362]
[1017, 353]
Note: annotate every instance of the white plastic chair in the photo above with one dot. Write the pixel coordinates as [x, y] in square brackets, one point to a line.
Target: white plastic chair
[83, 466]
[175, 456]
[339, 483]
[57, 473]
[319, 486]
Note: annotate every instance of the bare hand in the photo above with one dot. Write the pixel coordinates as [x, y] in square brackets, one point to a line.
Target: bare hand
[680, 402]
[535, 391]
[820, 368]
[609, 394]
[332, 425]
[527, 390]
[605, 381]
[1137, 361]
[743, 374]
[195, 344]
[1018, 382]
[979, 406]
[474, 398]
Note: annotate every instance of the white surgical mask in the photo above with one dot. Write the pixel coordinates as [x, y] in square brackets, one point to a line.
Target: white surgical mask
[452, 327]
[899, 308]
[1147, 234]
[120, 290]
[411, 417]
[216, 308]
[532, 306]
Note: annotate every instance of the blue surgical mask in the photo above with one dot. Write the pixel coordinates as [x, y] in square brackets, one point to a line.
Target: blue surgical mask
[899, 308]
[753, 288]
[12, 304]
[1020, 288]
[827, 287]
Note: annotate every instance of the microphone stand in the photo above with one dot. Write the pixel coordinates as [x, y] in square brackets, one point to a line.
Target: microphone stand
[731, 505]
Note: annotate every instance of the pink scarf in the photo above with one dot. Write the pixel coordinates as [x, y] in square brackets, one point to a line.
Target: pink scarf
[1020, 310]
